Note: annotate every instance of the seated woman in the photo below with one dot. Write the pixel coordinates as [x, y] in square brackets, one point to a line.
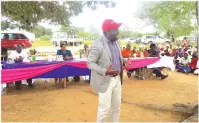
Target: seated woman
[67, 55]
[183, 65]
[193, 64]
[18, 56]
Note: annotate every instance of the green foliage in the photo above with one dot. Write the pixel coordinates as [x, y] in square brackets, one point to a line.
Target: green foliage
[171, 17]
[45, 38]
[93, 33]
[41, 31]
[128, 34]
[29, 13]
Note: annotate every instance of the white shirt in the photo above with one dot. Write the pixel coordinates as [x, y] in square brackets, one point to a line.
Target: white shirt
[189, 57]
[14, 54]
[184, 61]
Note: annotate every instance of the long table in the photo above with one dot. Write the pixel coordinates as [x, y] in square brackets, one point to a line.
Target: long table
[46, 69]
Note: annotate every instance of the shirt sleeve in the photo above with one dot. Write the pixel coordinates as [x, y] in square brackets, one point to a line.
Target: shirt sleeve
[11, 55]
[70, 54]
[58, 52]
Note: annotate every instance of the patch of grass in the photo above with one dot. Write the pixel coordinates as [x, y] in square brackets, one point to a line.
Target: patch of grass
[41, 43]
[89, 42]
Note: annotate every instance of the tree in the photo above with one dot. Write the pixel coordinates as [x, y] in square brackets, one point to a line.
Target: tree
[173, 18]
[29, 13]
[41, 31]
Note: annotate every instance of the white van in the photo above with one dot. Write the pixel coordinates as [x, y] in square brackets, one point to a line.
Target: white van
[149, 39]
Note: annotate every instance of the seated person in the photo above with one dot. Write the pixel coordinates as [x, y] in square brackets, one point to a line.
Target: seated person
[193, 64]
[67, 55]
[18, 56]
[153, 52]
[126, 53]
[177, 59]
[183, 65]
[166, 53]
[197, 70]
[84, 52]
[173, 52]
[138, 53]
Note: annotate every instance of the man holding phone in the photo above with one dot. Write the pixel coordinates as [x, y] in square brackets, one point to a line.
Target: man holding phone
[106, 64]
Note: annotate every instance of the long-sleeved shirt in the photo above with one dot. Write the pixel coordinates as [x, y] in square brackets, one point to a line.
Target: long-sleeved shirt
[115, 54]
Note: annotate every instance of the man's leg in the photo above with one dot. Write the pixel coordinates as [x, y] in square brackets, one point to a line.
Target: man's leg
[17, 85]
[129, 72]
[105, 102]
[116, 101]
[29, 81]
[157, 72]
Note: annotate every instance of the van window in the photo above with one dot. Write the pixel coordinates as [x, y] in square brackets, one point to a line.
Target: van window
[150, 36]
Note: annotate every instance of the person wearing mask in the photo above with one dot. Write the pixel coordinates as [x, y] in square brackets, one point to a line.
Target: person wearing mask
[19, 56]
[153, 52]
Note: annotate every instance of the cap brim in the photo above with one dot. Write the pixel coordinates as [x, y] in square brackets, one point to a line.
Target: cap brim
[117, 25]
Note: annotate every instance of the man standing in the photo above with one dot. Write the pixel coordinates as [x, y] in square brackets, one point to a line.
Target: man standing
[106, 64]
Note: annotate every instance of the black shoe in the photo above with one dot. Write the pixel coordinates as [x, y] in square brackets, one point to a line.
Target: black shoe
[164, 77]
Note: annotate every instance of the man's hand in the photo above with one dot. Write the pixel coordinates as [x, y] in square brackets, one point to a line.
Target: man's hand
[20, 59]
[111, 72]
[128, 63]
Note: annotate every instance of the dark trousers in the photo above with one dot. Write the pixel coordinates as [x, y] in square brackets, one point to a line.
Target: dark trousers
[157, 72]
[18, 83]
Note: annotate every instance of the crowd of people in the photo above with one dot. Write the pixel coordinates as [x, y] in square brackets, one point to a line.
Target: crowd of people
[185, 57]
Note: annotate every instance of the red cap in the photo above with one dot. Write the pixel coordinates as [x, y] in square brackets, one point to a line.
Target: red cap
[110, 24]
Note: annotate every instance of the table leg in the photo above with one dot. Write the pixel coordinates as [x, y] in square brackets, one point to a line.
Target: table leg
[65, 82]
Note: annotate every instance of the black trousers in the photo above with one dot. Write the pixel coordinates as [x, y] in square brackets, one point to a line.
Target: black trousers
[18, 83]
[157, 72]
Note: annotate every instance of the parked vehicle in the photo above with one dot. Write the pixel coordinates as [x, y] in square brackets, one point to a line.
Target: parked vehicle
[10, 39]
[149, 39]
[62, 37]
[188, 38]
[130, 40]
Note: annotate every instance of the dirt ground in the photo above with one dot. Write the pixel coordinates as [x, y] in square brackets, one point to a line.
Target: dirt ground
[78, 102]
